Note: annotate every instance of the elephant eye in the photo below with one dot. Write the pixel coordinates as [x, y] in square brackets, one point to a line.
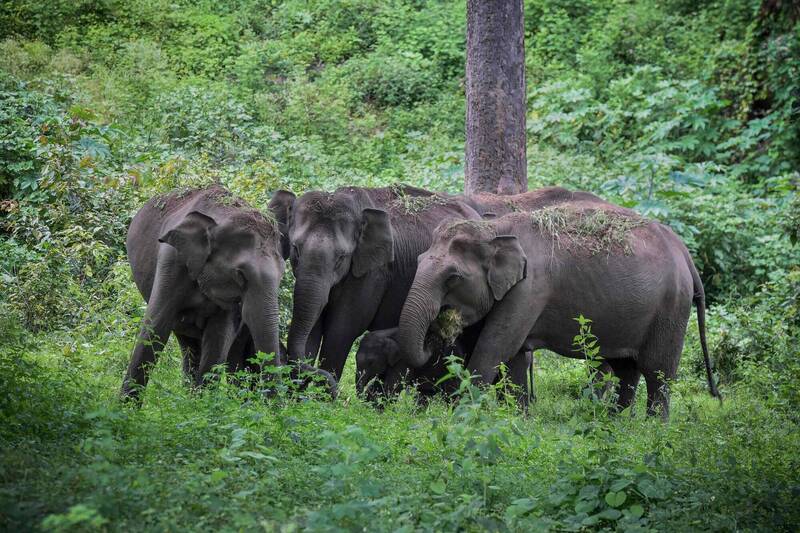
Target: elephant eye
[295, 250]
[453, 280]
[339, 261]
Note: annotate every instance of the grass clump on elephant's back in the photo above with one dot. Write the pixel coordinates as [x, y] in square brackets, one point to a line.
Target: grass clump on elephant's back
[410, 204]
[592, 230]
[226, 198]
[164, 201]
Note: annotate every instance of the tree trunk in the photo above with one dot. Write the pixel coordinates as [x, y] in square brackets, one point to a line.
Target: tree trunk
[495, 148]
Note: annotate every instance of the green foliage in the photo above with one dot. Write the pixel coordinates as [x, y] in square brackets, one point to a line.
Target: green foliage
[685, 111]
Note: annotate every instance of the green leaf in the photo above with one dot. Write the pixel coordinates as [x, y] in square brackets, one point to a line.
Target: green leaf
[520, 507]
[586, 506]
[609, 514]
[615, 499]
[438, 487]
[619, 484]
[636, 510]
[218, 475]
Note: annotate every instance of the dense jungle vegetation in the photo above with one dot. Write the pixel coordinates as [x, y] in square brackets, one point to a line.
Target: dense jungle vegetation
[686, 110]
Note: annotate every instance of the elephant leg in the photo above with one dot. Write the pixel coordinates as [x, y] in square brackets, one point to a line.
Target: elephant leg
[658, 361]
[657, 394]
[337, 341]
[628, 374]
[170, 286]
[657, 380]
[341, 328]
[518, 377]
[315, 339]
[190, 349]
[600, 379]
[349, 313]
[503, 335]
[218, 336]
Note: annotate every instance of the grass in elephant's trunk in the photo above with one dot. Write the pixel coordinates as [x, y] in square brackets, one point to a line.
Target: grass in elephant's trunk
[443, 332]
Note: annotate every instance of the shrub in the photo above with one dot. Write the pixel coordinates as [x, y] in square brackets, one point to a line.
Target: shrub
[397, 80]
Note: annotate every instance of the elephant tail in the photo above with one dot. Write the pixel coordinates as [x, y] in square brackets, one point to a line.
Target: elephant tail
[699, 299]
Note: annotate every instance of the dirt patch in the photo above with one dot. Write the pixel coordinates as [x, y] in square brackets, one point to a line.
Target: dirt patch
[327, 205]
[592, 230]
[481, 229]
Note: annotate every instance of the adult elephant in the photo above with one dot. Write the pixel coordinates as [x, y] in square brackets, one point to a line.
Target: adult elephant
[491, 206]
[206, 264]
[529, 275]
[354, 253]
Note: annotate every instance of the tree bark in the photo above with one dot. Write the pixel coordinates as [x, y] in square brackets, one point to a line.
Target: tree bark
[495, 148]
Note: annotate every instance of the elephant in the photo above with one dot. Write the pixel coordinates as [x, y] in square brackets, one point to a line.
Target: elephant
[207, 265]
[527, 276]
[381, 373]
[353, 254]
[490, 206]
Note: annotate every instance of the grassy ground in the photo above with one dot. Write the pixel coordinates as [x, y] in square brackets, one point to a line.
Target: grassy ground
[684, 111]
[75, 458]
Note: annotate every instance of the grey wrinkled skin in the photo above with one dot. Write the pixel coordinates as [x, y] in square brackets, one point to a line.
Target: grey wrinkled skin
[353, 253]
[381, 373]
[528, 286]
[208, 266]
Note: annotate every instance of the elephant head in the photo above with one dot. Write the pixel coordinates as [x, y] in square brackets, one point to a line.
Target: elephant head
[378, 367]
[328, 236]
[467, 268]
[232, 253]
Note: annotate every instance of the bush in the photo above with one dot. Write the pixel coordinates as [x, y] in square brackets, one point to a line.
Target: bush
[393, 80]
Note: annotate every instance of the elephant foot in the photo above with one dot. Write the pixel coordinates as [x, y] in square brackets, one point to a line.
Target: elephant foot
[304, 374]
[130, 395]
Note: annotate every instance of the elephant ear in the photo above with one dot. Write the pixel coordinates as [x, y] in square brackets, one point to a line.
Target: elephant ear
[281, 206]
[192, 239]
[508, 265]
[375, 246]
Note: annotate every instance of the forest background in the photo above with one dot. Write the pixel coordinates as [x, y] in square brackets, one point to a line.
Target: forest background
[688, 111]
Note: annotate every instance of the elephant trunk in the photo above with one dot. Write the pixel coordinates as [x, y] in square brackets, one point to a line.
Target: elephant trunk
[310, 298]
[260, 314]
[361, 382]
[419, 311]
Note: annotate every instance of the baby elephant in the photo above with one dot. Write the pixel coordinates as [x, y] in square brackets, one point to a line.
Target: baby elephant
[381, 373]
[529, 275]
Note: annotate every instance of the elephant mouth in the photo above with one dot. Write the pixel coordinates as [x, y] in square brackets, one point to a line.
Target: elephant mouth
[373, 389]
[226, 303]
[445, 328]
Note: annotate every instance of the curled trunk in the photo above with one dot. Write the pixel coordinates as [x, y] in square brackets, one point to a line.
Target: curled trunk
[420, 310]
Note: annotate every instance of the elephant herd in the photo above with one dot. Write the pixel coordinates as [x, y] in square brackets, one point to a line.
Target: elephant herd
[512, 272]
